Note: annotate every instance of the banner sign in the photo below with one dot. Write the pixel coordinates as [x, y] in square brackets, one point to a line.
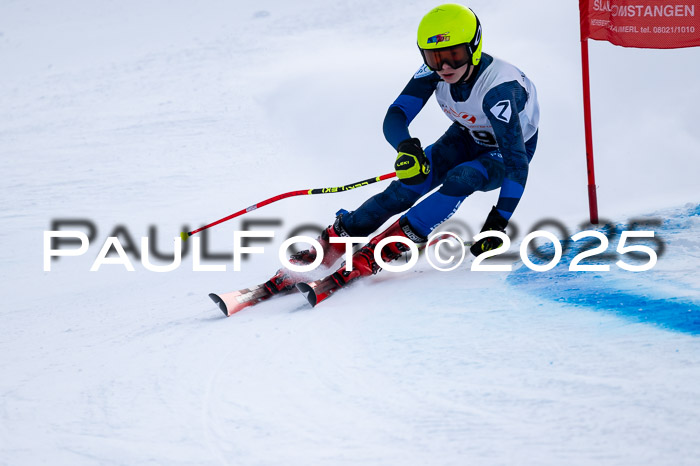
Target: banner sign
[651, 24]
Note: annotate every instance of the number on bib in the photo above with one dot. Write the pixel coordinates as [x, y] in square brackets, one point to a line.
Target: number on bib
[484, 137]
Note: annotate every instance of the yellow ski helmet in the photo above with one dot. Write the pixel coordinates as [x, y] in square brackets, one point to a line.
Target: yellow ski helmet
[451, 34]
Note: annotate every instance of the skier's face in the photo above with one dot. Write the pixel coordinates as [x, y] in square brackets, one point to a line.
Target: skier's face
[451, 75]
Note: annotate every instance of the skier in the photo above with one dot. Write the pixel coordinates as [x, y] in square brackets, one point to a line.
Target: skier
[489, 145]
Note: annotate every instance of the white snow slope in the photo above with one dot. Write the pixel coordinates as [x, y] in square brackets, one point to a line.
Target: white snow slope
[174, 114]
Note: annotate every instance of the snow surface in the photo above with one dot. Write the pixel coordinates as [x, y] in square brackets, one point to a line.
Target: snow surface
[171, 114]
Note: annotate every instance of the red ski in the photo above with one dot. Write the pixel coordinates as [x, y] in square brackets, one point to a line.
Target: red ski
[315, 291]
[318, 290]
[235, 301]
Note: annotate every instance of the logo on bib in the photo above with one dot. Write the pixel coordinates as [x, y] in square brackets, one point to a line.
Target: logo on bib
[502, 110]
[459, 115]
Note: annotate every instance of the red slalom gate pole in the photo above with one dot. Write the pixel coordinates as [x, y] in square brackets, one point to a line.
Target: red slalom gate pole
[302, 192]
[592, 196]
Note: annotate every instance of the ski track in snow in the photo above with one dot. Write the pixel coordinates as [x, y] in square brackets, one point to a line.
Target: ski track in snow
[167, 115]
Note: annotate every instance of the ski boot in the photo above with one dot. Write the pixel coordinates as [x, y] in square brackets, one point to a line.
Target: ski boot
[284, 279]
[363, 262]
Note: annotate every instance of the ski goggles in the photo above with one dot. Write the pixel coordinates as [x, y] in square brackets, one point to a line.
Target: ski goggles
[455, 56]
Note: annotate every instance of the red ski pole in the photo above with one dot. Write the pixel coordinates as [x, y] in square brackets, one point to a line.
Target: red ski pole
[279, 197]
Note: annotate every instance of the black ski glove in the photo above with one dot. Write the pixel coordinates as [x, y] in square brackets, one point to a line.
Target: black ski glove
[494, 222]
[412, 166]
